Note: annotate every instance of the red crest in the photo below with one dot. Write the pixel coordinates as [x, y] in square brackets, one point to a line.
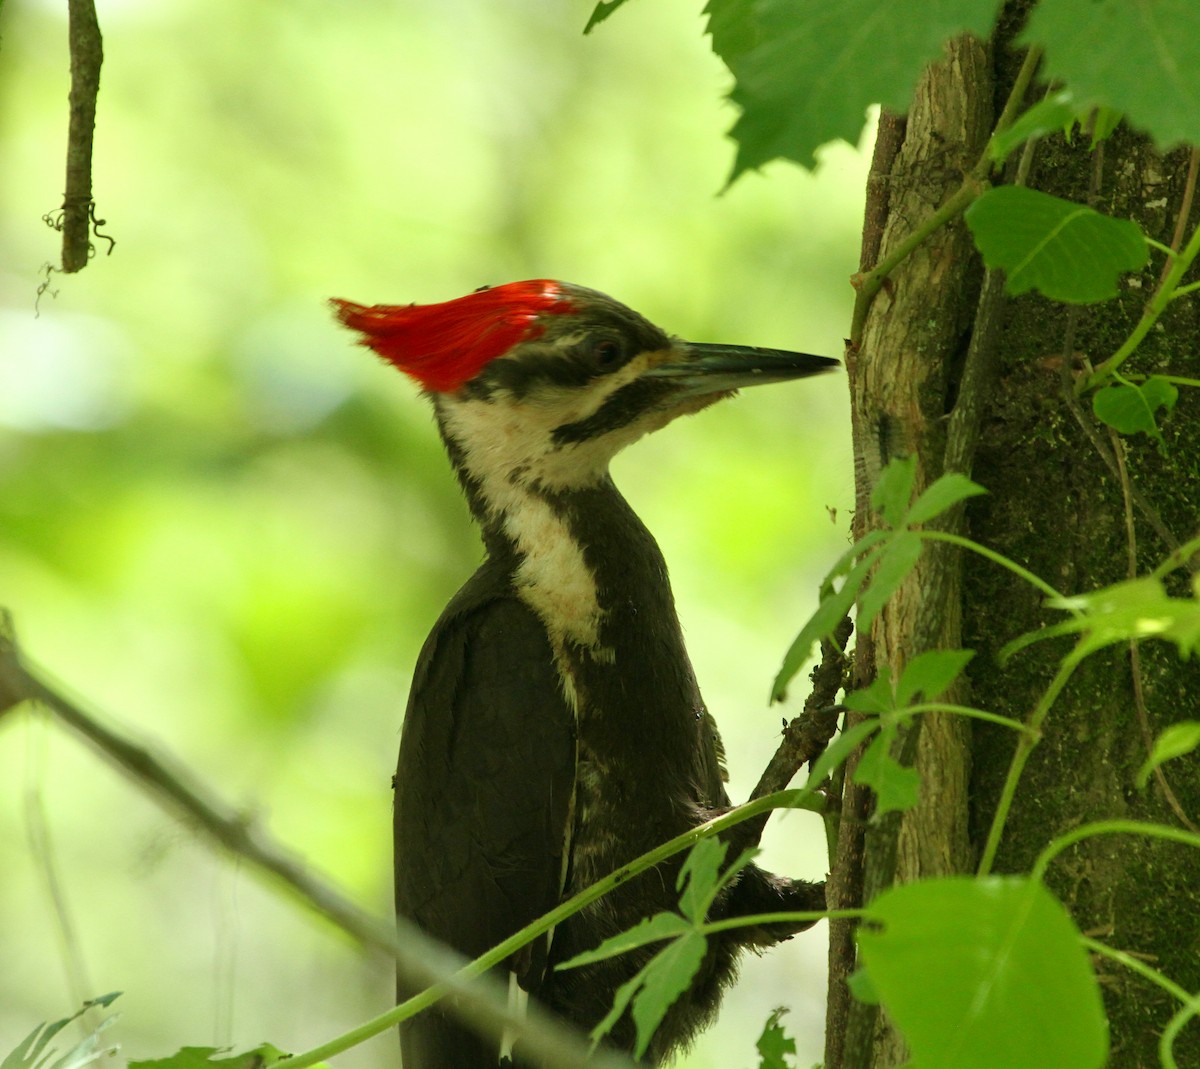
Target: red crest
[445, 345]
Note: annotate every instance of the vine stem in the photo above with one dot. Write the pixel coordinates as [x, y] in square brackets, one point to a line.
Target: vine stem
[788, 799]
[1163, 295]
[1135, 965]
[995, 558]
[756, 919]
[1189, 1009]
[973, 185]
[872, 282]
[967, 711]
[1166, 1042]
[1178, 380]
[1178, 558]
[87, 55]
[1183, 291]
[1109, 827]
[1025, 745]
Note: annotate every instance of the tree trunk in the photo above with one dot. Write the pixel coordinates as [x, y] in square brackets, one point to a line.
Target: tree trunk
[961, 377]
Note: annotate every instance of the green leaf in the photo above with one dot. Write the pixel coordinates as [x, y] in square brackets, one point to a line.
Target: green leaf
[34, 1051]
[1106, 121]
[668, 973]
[893, 490]
[1065, 250]
[898, 559]
[896, 788]
[941, 495]
[817, 66]
[732, 27]
[1045, 117]
[930, 674]
[698, 876]
[1175, 740]
[877, 698]
[829, 613]
[1134, 609]
[862, 988]
[655, 988]
[987, 973]
[650, 930]
[203, 1058]
[1137, 57]
[621, 1001]
[841, 748]
[600, 12]
[701, 876]
[1129, 408]
[667, 976]
[774, 1044]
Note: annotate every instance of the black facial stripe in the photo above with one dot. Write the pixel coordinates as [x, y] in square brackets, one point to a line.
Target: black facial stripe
[534, 367]
[622, 408]
[540, 362]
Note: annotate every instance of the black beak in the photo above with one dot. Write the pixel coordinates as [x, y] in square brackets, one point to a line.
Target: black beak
[707, 369]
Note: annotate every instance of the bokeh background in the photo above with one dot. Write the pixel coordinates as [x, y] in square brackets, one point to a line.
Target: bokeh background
[230, 529]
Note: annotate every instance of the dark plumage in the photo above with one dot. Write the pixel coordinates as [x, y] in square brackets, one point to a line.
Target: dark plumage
[555, 729]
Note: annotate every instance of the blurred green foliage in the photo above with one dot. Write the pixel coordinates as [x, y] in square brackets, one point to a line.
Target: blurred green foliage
[230, 529]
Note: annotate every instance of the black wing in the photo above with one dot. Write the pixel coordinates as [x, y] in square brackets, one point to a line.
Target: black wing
[483, 796]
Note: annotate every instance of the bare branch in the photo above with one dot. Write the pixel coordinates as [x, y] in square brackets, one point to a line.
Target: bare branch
[421, 962]
[78, 209]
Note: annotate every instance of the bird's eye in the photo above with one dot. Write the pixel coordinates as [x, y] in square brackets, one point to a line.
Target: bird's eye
[607, 354]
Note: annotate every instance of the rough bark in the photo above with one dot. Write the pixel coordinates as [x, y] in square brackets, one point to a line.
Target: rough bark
[1055, 506]
[914, 343]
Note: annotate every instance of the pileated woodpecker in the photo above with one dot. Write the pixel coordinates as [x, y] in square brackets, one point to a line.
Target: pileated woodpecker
[554, 728]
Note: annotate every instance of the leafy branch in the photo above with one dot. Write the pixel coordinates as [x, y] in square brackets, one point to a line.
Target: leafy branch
[1139, 608]
[1167, 291]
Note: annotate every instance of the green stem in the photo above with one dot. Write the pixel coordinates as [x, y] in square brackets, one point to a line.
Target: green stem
[1025, 745]
[1109, 827]
[1138, 966]
[1180, 380]
[425, 999]
[972, 186]
[1189, 1009]
[1155, 308]
[995, 558]
[1166, 1042]
[872, 282]
[964, 710]
[1178, 558]
[1183, 291]
[1012, 105]
[754, 919]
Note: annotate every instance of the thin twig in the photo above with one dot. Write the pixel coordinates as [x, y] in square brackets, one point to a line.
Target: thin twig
[807, 735]
[804, 737]
[1163, 294]
[1135, 656]
[973, 185]
[1139, 499]
[1185, 209]
[78, 210]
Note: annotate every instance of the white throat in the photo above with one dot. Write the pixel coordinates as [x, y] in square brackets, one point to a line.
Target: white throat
[508, 450]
